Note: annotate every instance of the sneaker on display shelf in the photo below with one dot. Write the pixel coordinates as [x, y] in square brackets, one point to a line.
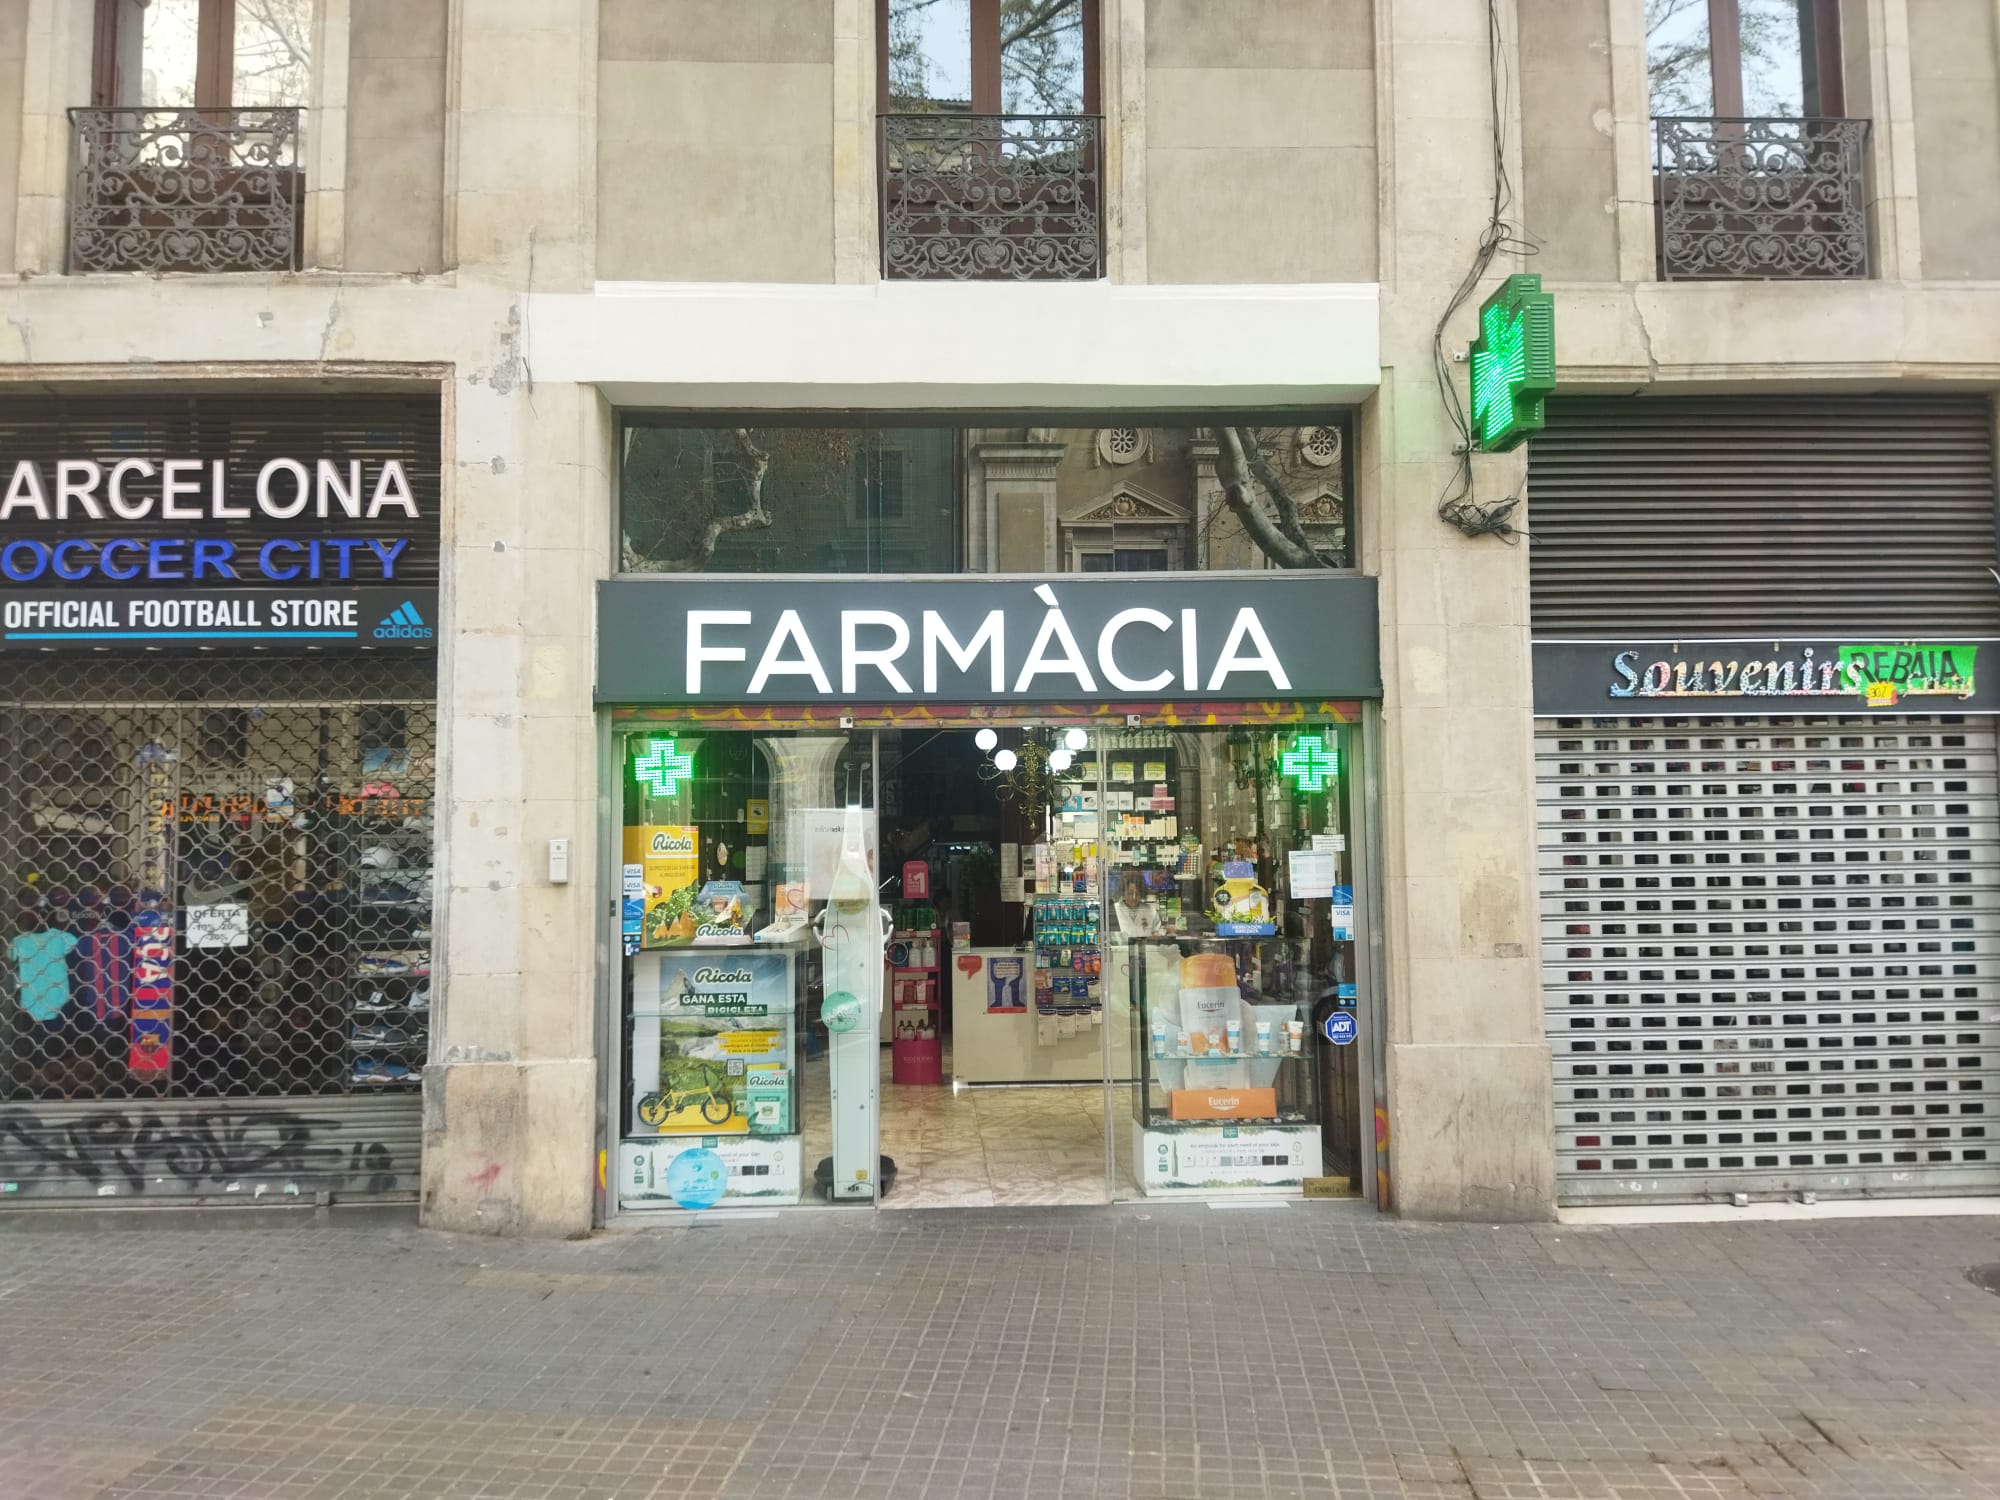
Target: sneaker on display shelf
[420, 1001]
[380, 1034]
[394, 965]
[378, 1000]
[379, 857]
[374, 1072]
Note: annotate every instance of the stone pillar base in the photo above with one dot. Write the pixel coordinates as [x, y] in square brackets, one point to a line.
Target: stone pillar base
[510, 1148]
[1471, 1132]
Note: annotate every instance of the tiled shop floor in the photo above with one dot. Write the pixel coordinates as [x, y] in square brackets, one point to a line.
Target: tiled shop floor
[1159, 1352]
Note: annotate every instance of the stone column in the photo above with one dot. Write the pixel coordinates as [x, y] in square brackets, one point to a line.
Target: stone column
[55, 78]
[511, 1092]
[1469, 1081]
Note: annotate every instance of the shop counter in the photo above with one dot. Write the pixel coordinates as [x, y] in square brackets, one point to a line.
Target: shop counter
[998, 1037]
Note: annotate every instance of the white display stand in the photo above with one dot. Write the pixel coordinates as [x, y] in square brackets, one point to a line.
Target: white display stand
[854, 930]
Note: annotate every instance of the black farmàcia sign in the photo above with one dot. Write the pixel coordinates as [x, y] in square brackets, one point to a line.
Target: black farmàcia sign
[1867, 672]
[967, 638]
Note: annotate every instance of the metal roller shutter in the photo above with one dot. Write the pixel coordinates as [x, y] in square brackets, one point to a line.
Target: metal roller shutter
[185, 1151]
[1732, 516]
[1768, 949]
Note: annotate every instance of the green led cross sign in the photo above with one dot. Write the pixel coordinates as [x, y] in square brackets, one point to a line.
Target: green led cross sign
[661, 768]
[1310, 763]
[1513, 363]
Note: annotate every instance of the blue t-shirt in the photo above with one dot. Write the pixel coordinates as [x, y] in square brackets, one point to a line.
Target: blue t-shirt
[42, 961]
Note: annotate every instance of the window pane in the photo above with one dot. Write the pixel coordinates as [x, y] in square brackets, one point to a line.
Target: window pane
[273, 53]
[790, 500]
[1677, 58]
[1041, 57]
[1140, 560]
[930, 56]
[159, 43]
[1774, 71]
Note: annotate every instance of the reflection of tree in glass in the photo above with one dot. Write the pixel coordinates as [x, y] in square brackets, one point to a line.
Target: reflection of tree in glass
[1677, 57]
[1262, 501]
[919, 31]
[1773, 82]
[273, 52]
[1041, 57]
[685, 489]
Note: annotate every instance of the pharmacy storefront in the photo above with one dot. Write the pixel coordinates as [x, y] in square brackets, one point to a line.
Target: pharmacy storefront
[979, 889]
[218, 691]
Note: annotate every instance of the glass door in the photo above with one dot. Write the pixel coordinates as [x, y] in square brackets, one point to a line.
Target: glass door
[747, 991]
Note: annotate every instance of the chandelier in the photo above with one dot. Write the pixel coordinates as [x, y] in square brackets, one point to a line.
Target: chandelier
[1031, 776]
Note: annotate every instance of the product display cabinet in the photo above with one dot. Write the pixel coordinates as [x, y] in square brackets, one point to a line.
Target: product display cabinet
[1225, 1096]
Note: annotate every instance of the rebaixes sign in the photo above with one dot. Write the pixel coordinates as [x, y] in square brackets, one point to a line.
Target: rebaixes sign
[972, 639]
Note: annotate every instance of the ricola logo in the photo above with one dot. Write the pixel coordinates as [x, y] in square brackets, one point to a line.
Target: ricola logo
[671, 843]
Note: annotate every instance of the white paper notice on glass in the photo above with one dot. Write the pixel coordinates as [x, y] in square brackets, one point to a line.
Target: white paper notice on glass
[1010, 862]
[1312, 875]
[1045, 869]
[1012, 889]
[826, 833]
[218, 926]
[1329, 843]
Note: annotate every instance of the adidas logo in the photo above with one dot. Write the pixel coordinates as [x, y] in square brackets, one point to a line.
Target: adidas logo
[403, 623]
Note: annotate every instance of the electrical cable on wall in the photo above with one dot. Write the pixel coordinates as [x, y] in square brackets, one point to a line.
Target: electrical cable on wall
[1459, 506]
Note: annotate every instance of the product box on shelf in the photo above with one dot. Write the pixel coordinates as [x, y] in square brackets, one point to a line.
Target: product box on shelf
[1222, 1104]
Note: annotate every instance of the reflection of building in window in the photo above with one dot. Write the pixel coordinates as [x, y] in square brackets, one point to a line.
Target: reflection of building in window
[941, 499]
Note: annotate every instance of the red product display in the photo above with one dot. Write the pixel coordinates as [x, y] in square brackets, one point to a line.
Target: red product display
[152, 1017]
[916, 1041]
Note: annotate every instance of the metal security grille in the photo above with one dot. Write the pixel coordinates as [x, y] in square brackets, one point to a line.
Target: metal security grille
[215, 965]
[1725, 516]
[1768, 954]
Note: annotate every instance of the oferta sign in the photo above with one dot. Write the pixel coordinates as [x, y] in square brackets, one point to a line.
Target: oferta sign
[1513, 363]
[1711, 677]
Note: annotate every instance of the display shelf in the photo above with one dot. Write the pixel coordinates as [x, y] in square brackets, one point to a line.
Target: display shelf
[916, 1032]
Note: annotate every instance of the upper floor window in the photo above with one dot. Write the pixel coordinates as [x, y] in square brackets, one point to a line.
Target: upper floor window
[991, 151]
[188, 157]
[208, 54]
[1730, 59]
[989, 57]
[1757, 174]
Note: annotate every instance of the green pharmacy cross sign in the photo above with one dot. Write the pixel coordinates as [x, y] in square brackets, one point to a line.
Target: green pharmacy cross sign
[1513, 363]
[1310, 764]
[661, 768]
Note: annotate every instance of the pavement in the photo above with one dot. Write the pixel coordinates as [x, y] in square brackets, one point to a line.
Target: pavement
[1159, 1352]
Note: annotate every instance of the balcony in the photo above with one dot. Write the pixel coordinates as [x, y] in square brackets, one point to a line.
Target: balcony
[992, 197]
[1750, 199]
[185, 190]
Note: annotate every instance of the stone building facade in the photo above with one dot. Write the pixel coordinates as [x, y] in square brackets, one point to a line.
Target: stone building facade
[545, 213]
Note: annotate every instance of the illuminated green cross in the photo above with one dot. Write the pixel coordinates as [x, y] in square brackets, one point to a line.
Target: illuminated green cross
[1310, 763]
[660, 767]
[1513, 363]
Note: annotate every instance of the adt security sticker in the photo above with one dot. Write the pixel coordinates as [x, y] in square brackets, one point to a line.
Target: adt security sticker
[1342, 1028]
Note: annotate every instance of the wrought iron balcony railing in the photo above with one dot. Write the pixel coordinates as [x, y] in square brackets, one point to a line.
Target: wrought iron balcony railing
[992, 197]
[1747, 199]
[185, 190]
